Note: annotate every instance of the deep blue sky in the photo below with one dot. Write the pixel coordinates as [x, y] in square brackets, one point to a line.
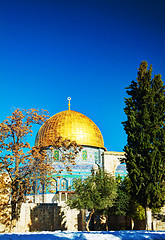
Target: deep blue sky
[86, 49]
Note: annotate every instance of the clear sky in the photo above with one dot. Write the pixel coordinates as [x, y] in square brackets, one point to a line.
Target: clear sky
[86, 49]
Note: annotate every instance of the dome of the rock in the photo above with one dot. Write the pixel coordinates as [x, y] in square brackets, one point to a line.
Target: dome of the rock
[88, 160]
[70, 125]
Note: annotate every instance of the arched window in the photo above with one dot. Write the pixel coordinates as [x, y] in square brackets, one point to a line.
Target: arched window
[53, 186]
[72, 182]
[40, 188]
[64, 184]
[121, 170]
[33, 187]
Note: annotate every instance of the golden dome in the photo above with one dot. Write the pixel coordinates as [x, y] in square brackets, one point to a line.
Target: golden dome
[70, 125]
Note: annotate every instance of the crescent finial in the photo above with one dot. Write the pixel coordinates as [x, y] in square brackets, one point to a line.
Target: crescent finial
[69, 98]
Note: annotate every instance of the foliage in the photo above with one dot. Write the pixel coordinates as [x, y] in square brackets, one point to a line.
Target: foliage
[96, 192]
[121, 203]
[124, 203]
[5, 208]
[138, 211]
[20, 161]
[145, 129]
[135, 210]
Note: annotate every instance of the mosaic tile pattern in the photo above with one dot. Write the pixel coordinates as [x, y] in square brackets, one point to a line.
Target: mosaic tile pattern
[56, 155]
[84, 155]
[96, 156]
[82, 169]
[121, 170]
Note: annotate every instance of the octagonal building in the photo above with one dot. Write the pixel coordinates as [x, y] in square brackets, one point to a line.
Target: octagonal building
[76, 127]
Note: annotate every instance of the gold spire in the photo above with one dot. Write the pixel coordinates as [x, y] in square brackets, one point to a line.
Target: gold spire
[69, 98]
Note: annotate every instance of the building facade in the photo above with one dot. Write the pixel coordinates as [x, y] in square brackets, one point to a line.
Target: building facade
[76, 127]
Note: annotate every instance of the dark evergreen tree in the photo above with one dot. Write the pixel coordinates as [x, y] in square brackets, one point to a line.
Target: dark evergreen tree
[121, 203]
[145, 129]
[125, 204]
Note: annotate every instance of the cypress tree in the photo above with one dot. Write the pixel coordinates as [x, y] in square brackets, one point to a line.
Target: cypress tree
[145, 148]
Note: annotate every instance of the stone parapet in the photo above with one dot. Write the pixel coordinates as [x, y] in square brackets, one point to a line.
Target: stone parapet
[45, 217]
[159, 220]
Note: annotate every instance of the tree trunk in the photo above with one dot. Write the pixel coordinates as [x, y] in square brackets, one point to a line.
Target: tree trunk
[16, 201]
[90, 216]
[106, 224]
[13, 214]
[132, 223]
[148, 218]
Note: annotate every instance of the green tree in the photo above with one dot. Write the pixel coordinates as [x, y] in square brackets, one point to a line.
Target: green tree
[125, 204]
[122, 200]
[134, 210]
[145, 149]
[96, 192]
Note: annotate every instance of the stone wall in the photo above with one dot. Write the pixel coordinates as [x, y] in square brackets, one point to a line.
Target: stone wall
[159, 220]
[45, 217]
[126, 223]
[51, 217]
